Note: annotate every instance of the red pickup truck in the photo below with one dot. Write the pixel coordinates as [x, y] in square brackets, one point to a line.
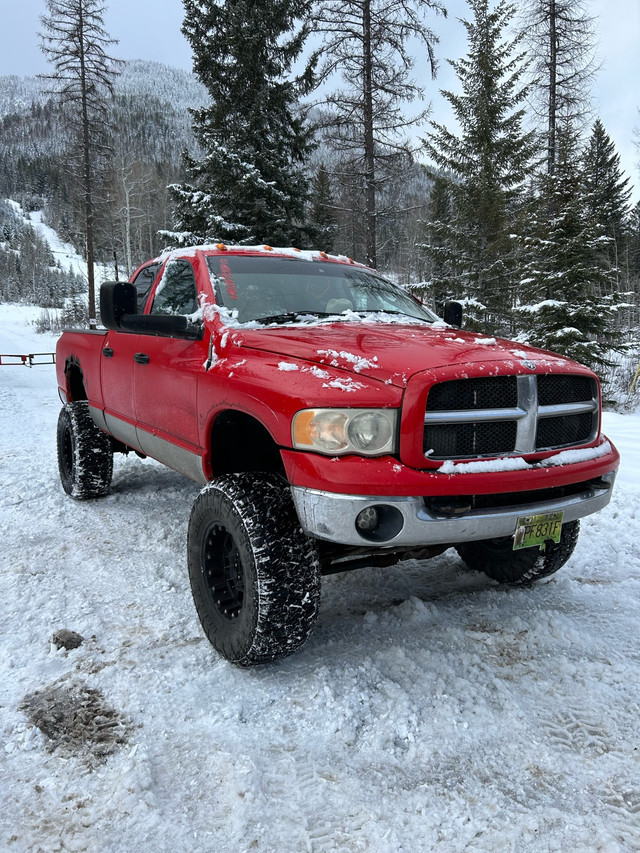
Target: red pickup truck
[334, 422]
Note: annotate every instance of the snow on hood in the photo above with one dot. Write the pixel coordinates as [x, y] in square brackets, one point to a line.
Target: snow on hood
[393, 353]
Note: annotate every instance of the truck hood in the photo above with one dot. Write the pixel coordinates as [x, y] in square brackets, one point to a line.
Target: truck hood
[393, 352]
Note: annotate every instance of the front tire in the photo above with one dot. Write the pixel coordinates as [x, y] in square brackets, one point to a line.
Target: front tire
[255, 575]
[85, 457]
[497, 559]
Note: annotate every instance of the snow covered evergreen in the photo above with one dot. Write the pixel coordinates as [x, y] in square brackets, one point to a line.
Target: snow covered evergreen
[29, 270]
[572, 295]
[607, 191]
[250, 186]
[480, 174]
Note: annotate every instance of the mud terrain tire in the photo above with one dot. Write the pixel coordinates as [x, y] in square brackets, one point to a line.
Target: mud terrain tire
[255, 575]
[85, 457]
[497, 559]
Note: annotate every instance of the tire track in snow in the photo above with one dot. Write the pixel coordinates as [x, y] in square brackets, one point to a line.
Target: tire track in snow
[578, 730]
[624, 806]
[327, 831]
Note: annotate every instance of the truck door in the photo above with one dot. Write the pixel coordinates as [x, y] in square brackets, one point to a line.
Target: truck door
[166, 371]
[117, 369]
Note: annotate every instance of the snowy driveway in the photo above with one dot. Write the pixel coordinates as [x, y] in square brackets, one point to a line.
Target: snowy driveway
[431, 710]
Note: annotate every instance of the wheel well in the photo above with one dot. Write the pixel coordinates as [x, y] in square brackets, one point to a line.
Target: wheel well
[241, 443]
[75, 381]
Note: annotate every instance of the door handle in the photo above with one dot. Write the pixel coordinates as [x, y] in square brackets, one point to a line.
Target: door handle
[107, 352]
[141, 358]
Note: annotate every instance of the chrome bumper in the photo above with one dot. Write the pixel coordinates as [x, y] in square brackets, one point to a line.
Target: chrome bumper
[332, 516]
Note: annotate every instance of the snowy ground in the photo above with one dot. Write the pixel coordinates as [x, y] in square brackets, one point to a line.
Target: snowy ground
[430, 711]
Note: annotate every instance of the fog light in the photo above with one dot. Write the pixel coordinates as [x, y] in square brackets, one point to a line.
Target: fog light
[367, 520]
[379, 523]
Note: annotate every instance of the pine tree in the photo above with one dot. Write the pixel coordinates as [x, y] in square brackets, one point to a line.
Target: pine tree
[440, 274]
[250, 185]
[322, 208]
[573, 302]
[75, 42]
[475, 250]
[633, 264]
[607, 192]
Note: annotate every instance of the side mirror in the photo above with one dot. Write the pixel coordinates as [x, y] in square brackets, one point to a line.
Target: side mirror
[117, 298]
[453, 313]
[119, 312]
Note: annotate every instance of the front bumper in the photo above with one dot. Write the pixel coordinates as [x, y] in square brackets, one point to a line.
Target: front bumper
[332, 516]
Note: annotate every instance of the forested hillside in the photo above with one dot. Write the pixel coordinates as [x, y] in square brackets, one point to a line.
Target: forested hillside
[151, 130]
[520, 208]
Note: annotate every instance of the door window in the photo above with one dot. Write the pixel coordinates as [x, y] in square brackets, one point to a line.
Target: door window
[177, 292]
[143, 283]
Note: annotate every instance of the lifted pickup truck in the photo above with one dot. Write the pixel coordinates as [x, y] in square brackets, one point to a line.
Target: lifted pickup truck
[334, 422]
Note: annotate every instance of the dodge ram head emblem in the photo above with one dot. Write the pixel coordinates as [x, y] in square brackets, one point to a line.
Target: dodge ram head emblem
[530, 364]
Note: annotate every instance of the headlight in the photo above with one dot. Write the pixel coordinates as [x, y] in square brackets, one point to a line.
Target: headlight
[368, 432]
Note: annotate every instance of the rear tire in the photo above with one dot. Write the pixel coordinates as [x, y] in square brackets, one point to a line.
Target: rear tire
[497, 559]
[255, 575]
[85, 457]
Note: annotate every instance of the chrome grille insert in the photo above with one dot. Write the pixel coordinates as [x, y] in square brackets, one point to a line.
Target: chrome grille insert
[453, 428]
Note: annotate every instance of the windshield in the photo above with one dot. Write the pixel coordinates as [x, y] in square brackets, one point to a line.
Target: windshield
[280, 290]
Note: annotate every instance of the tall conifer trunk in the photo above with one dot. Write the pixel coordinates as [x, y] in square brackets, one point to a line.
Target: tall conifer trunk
[74, 41]
[553, 77]
[86, 159]
[369, 144]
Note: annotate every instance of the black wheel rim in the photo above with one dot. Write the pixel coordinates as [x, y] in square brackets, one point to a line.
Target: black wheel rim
[223, 571]
[66, 452]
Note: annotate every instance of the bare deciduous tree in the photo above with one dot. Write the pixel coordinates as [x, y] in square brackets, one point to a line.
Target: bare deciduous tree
[75, 43]
[367, 43]
[561, 35]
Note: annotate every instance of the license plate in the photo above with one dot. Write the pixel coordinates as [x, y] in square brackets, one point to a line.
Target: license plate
[532, 530]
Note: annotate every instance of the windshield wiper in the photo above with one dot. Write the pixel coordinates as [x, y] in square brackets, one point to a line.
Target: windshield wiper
[277, 318]
[292, 315]
[379, 311]
[390, 311]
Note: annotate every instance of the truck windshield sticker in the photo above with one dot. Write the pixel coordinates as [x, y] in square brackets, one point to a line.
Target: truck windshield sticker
[225, 273]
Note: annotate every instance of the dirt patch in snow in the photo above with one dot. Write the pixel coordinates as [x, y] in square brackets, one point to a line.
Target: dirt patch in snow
[76, 719]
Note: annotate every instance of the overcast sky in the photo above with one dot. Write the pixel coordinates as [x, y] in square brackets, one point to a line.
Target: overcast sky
[150, 29]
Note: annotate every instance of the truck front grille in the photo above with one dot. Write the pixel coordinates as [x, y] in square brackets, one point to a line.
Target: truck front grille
[491, 393]
[509, 415]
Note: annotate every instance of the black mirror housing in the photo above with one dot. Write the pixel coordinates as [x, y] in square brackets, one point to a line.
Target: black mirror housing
[453, 313]
[119, 313]
[158, 324]
[117, 298]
